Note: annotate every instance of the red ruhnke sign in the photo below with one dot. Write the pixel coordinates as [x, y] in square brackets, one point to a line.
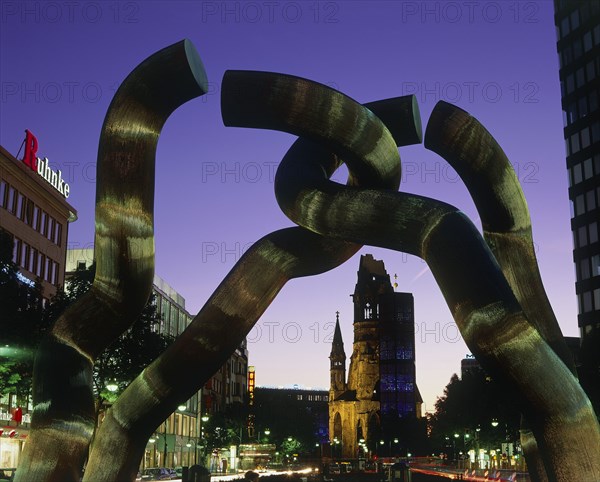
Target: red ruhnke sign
[42, 166]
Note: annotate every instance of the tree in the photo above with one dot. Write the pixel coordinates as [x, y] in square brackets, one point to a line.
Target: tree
[226, 428]
[127, 356]
[468, 408]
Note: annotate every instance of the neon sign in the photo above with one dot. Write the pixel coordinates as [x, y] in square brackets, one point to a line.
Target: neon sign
[42, 166]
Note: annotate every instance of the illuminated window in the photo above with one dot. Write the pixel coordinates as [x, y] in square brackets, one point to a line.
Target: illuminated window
[32, 260]
[16, 250]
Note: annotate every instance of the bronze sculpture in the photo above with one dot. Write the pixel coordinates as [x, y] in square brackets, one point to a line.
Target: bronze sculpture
[490, 283]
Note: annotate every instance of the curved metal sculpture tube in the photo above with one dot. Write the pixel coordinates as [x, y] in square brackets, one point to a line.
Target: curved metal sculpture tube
[63, 417]
[480, 298]
[239, 301]
[493, 184]
[486, 171]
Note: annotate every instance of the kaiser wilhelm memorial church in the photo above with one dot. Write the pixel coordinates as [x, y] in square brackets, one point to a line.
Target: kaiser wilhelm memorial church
[381, 388]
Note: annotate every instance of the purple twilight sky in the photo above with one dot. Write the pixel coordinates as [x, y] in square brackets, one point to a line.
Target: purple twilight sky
[61, 62]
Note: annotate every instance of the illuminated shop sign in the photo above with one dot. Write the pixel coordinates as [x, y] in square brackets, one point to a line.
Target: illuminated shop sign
[251, 382]
[42, 166]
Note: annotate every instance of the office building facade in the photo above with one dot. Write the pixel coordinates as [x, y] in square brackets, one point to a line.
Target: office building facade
[37, 216]
[578, 45]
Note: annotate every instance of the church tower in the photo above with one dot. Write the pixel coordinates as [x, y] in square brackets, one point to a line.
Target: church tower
[381, 389]
[337, 368]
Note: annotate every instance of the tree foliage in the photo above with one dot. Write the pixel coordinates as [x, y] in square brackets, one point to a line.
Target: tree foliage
[226, 428]
[468, 408]
[127, 356]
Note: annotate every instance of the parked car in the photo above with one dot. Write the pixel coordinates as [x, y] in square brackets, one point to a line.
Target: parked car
[158, 473]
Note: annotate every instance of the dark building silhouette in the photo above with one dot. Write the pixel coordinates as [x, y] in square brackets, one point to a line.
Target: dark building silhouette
[291, 412]
[578, 45]
[381, 387]
[469, 364]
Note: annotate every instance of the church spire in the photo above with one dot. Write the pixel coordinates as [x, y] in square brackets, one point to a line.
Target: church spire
[337, 334]
[337, 368]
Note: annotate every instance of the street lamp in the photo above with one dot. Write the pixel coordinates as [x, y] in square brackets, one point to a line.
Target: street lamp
[188, 445]
[152, 440]
[181, 408]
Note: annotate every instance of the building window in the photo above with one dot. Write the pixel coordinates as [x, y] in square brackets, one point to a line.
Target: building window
[564, 27]
[57, 233]
[584, 266]
[579, 205]
[585, 142]
[583, 239]
[593, 96]
[24, 255]
[577, 174]
[20, 206]
[28, 212]
[590, 199]
[596, 132]
[570, 83]
[43, 221]
[583, 110]
[596, 267]
[593, 229]
[580, 77]
[10, 205]
[587, 301]
[590, 72]
[587, 41]
[3, 192]
[575, 19]
[49, 228]
[36, 218]
[32, 260]
[575, 143]
[54, 273]
[577, 48]
[39, 268]
[16, 250]
[597, 299]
